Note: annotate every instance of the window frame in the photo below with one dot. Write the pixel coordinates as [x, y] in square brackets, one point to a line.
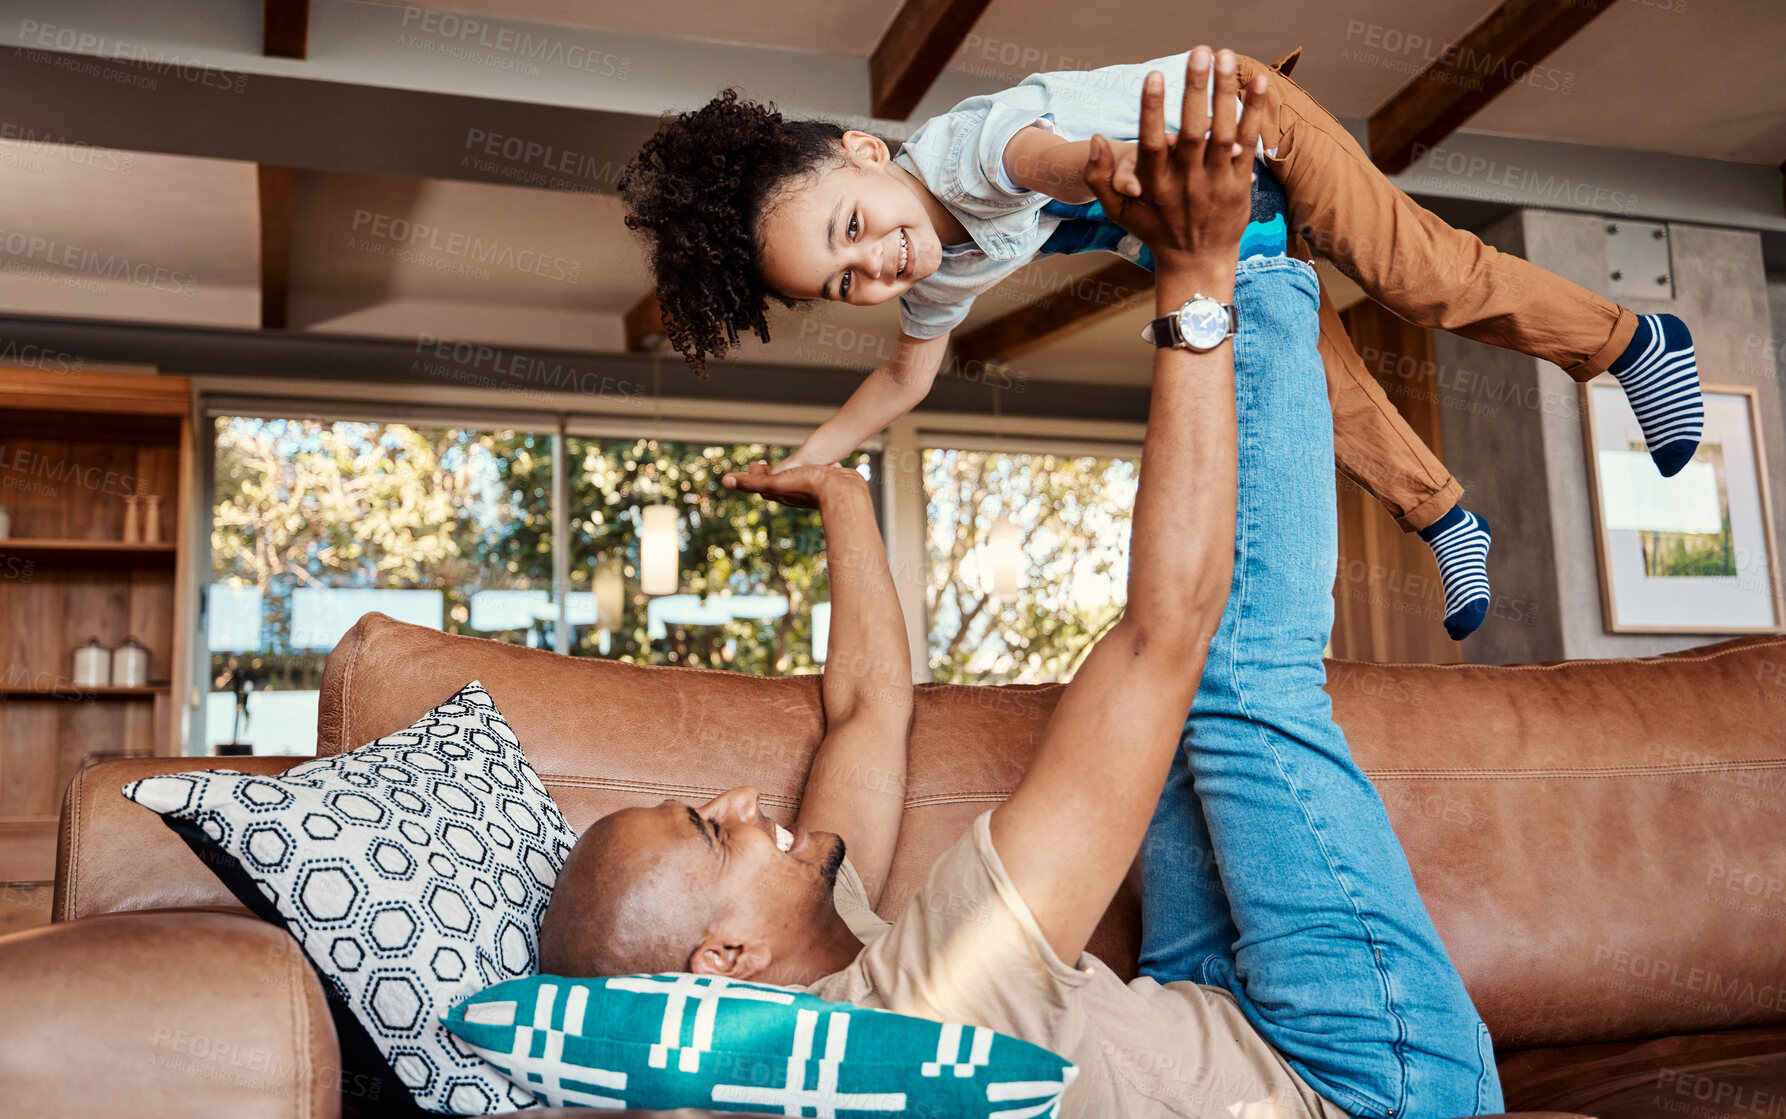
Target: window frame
[900, 499]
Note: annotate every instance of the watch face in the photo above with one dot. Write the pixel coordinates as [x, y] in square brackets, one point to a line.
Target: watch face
[1204, 323]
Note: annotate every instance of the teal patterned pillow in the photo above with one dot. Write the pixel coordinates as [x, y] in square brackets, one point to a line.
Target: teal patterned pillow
[669, 1041]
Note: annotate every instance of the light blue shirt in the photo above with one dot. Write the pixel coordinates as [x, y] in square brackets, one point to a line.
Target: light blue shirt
[960, 157]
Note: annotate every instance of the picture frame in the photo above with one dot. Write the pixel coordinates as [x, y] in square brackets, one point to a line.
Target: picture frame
[1692, 554]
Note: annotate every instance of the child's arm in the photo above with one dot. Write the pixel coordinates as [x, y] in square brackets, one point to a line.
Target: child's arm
[890, 392]
[1037, 159]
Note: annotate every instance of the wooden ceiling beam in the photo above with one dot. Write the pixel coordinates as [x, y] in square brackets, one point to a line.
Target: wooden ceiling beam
[914, 50]
[645, 326]
[285, 28]
[275, 245]
[1066, 311]
[1495, 54]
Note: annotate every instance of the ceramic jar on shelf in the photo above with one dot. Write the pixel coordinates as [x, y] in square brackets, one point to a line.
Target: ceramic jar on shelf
[130, 664]
[92, 665]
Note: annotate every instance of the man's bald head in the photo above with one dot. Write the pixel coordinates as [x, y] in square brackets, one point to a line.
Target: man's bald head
[622, 904]
[710, 890]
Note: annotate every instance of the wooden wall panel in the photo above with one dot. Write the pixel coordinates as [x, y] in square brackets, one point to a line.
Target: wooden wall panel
[27, 758]
[1388, 603]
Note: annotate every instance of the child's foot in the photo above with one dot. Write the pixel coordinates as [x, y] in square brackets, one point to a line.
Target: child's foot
[1459, 541]
[1661, 378]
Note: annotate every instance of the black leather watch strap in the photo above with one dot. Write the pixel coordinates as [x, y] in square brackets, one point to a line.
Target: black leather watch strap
[1165, 332]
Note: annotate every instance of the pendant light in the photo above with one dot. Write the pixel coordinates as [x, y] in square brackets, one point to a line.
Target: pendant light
[1004, 554]
[660, 530]
[609, 585]
[660, 551]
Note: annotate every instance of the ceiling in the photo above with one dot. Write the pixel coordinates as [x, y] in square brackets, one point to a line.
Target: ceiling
[387, 255]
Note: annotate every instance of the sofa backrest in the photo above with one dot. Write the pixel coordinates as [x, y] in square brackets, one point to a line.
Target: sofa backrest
[1599, 842]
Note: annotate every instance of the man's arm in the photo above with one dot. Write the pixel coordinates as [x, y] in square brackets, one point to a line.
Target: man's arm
[1073, 826]
[888, 393]
[856, 787]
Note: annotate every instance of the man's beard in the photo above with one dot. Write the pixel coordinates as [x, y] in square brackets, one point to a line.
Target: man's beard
[834, 860]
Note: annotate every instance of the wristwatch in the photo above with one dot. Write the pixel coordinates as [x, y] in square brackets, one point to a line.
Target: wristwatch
[1200, 325]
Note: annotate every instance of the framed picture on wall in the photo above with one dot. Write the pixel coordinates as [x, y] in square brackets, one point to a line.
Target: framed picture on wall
[1693, 553]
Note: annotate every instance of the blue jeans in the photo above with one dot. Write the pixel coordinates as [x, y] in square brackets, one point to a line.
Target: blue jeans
[1270, 868]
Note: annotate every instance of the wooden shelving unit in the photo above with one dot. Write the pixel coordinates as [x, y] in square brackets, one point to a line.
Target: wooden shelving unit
[72, 447]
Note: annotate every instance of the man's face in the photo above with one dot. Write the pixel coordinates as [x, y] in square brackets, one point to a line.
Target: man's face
[853, 232]
[733, 856]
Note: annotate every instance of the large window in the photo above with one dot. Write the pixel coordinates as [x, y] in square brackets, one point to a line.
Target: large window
[1058, 526]
[315, 523]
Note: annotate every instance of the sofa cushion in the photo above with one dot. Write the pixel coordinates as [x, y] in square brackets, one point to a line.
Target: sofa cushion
[413, 871]
[676, 1040]
[166, 1016]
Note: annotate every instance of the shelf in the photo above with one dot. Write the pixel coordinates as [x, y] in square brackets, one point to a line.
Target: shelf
[88, 551]
[69, 691]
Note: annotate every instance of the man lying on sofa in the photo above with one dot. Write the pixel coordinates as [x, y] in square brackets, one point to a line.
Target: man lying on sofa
[1291, 968]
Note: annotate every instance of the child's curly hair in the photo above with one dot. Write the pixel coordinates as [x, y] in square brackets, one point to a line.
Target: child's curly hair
[697, 190]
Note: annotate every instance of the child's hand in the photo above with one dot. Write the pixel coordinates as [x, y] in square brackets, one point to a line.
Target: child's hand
[794, 462]
[1122, 177]
[1197, 187]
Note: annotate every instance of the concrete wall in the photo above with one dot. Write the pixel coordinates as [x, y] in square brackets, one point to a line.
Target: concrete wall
[1513, 431]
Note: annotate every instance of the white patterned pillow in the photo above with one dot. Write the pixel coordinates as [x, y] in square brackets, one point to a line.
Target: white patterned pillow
[413, 871]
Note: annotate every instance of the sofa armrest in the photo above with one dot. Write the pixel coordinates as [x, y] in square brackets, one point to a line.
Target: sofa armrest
[173, 1014]
[114, 855]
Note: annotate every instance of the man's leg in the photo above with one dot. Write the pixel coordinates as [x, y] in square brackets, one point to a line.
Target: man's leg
[1186, 929]
[1333, 957]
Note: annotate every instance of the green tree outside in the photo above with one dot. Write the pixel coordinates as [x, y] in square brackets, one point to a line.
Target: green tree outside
[306, 503]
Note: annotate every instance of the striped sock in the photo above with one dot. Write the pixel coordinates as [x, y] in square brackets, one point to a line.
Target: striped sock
[1661, 379]
[1459, 541]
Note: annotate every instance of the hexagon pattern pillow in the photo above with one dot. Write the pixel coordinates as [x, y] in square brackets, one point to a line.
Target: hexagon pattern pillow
[414, 872]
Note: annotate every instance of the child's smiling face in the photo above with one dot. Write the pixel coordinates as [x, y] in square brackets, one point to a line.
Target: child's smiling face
[854, 232]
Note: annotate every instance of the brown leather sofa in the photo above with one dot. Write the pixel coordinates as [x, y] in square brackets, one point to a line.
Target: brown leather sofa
[1602, 845]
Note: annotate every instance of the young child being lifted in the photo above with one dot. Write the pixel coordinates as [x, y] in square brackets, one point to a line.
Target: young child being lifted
[740, 205]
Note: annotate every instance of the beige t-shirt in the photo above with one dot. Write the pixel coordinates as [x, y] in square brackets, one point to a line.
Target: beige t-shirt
[967, 949]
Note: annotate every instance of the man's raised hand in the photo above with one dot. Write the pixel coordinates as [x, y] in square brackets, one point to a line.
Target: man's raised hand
[799, 486]
[1196, 188]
